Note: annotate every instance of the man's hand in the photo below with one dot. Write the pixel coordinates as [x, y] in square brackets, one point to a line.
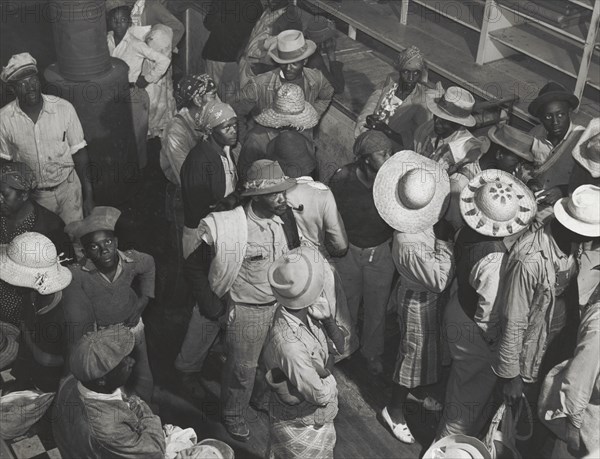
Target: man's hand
[573, 439]
[141, 82]
[548, 197]
[320, 309]
[88, 205]
[443, 230]
[376, 124]
[513, 390]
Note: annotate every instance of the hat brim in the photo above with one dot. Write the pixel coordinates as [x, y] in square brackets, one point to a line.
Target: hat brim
[468, 121]
[483, 224]
[311, 47]
[579, 227]
[470, 445]
[57, 277]
[388, 203]
[283, 186]
[307, 119]
[9, 353]
[527, 156]
[540, 101]
[581, 156]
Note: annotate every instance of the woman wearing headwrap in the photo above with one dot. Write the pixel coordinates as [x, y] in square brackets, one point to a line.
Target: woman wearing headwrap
[399, 107]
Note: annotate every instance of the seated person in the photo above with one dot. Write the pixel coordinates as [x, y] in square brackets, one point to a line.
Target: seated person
[399, 107]
[322, 31]
[93, 416]
[446, 138]
[110, 287]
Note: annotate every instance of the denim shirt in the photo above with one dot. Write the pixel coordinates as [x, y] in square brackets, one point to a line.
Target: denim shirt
[528, 306]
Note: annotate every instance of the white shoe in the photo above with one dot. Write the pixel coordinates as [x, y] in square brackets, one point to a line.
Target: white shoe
[400, 431]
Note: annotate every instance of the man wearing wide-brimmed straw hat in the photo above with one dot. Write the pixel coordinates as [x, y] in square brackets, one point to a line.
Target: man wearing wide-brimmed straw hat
[508, 149]
[555, 139]
[110, 287]
[367, 269]
[304, 396]
[534, 305]
[446, 138]
[31, 263]
[290, 52]
[412, 194]
[586, 170]
[493, 205]
[241, 245]
[290, 112]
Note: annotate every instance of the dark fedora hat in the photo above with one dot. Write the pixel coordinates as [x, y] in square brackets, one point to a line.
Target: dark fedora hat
[552, 92]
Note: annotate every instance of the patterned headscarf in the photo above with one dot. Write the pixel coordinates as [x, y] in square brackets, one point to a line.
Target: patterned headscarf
[412, 56]
[18, 176]
[191, 86]
[212, 114]
[370, 142]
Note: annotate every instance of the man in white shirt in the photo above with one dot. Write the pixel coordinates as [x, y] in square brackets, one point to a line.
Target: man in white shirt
[45, 133]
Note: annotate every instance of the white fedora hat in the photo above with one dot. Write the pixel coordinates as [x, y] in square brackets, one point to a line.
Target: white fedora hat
[411, 192]
[455, 105]
[580, 212]
[584, 153]
[298, 277]
[496, 203]
[291, 47]
[30, 260]
[458, 447]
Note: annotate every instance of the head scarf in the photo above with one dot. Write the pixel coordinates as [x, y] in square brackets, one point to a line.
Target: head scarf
[410, 56]
[18, 176]
[191, 86]
[370, 142]
[213, 114]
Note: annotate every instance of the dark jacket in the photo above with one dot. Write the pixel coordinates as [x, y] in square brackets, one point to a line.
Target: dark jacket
[230, 23]
[202, 181]
[51, 225]
[334, 73]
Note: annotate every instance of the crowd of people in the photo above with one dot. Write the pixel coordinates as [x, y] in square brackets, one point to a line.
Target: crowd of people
[485, 244]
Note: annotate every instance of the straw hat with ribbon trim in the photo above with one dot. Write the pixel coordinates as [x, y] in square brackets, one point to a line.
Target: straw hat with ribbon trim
[30, 260]
[291, 47]
[411, 192]
[289, 109]
[266, 177]
[513, 139]
[9, 344]
[458, 447]
[455, 105]
[298, 277]
[580, 212]
[587, 153]
[496, 203]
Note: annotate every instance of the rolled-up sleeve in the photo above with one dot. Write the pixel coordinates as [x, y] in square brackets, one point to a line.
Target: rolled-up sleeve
[161, 62]
[336, 239]
[73, 128]
[518, 290]
[432, 267]
[146, 273]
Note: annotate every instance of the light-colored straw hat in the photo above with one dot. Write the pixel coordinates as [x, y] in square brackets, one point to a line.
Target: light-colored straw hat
[9, 344]
[266, 177]
[297, 278]
[30, 260]
[291, 47]
[289, 109]
[496, 203]
[584, 153]
[458, 447]
[580, 212]
[455, 105]
[411, 192]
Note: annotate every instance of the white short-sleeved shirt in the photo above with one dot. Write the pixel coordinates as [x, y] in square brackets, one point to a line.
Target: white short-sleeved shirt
[48, 145]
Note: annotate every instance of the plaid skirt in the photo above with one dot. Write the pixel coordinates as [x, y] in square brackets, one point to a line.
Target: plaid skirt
[293, 439]
[419, 358]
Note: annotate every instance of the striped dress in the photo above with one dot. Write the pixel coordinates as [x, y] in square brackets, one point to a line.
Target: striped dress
[426, 268]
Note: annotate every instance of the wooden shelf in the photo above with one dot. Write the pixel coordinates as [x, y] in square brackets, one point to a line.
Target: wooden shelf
[547, 48]
[518, 15]
[469, 13]
[588, 4]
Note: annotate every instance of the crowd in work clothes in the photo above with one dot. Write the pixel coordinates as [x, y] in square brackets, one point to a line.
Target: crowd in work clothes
[485, 247]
